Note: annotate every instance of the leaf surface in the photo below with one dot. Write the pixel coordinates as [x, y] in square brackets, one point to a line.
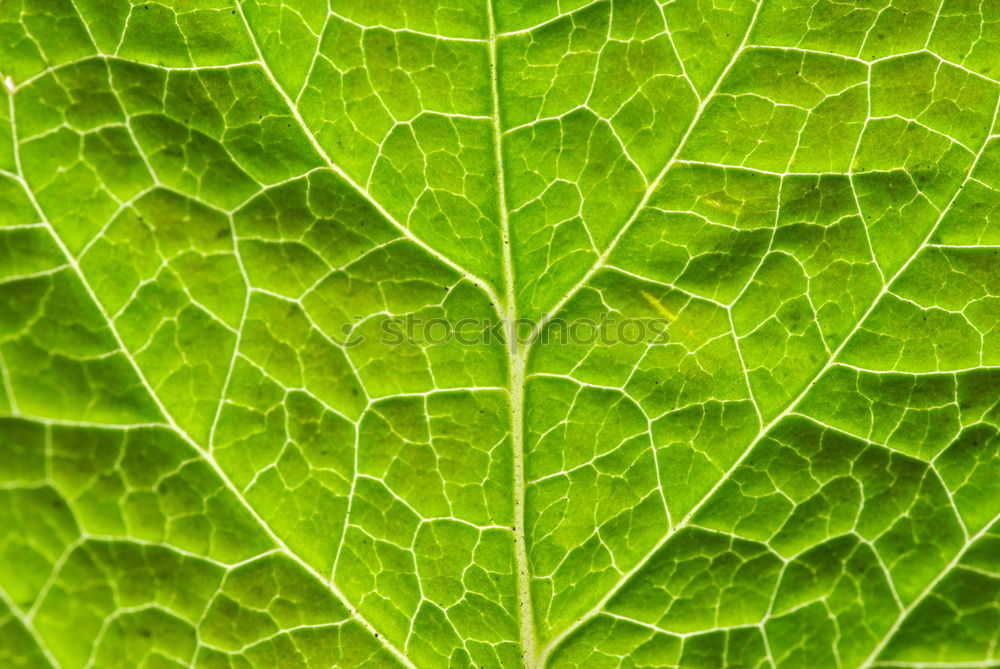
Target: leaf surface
[212, 213]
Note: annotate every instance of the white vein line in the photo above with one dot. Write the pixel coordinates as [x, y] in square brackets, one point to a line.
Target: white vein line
[789, 409]
[653, 187]
[481, 283]
[546, 22]
[239, 333]
[208, 457]
[410, 31]
[901, 618]
[28, 626]
[7, 385]
[557, 641]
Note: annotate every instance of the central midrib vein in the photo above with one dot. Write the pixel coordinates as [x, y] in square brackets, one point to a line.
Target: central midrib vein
[515, 358]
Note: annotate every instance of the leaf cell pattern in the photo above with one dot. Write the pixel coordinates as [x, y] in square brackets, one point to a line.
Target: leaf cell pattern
[199, 200]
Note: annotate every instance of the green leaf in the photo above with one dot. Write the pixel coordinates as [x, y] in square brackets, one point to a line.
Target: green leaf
[230, 437]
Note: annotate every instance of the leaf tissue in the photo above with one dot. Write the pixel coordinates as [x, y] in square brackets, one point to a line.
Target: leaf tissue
[515, 334]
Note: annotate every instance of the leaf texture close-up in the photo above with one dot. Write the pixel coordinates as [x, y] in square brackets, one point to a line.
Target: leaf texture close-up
[228, 229]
